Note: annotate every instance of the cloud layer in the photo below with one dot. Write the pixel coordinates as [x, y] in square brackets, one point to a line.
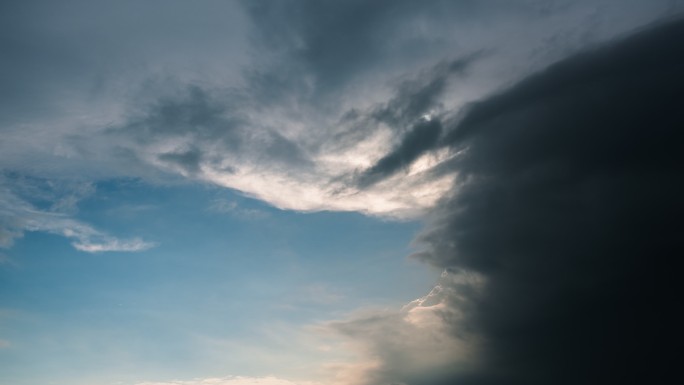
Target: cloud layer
[290, 103]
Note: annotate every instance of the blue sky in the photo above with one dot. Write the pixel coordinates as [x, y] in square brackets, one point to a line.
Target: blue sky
[350, 192]
[224, 268]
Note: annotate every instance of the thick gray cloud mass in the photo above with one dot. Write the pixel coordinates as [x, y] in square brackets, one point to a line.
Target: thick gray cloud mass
[299, 97]
[201, 120]
[568, 203]
[336, 41]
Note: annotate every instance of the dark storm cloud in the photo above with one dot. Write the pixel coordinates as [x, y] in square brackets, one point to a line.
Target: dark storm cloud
[569, 203]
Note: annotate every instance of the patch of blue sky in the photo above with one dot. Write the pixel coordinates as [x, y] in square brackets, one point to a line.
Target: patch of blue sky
[224, 268]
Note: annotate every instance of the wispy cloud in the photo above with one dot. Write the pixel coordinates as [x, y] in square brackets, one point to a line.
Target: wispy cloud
[233, 208]
[111, 244]
[18, 215]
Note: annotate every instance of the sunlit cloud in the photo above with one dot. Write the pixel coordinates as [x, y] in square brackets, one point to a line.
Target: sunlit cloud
[393, 346]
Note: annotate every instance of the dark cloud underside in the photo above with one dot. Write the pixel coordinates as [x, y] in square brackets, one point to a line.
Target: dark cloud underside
[422, 136]
[569, 201]
[410, 110]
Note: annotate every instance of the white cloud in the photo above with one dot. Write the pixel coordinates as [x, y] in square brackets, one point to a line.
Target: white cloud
[112, 244]
[398, 197]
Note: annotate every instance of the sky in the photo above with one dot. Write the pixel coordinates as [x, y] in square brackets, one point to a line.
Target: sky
[340, 192]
